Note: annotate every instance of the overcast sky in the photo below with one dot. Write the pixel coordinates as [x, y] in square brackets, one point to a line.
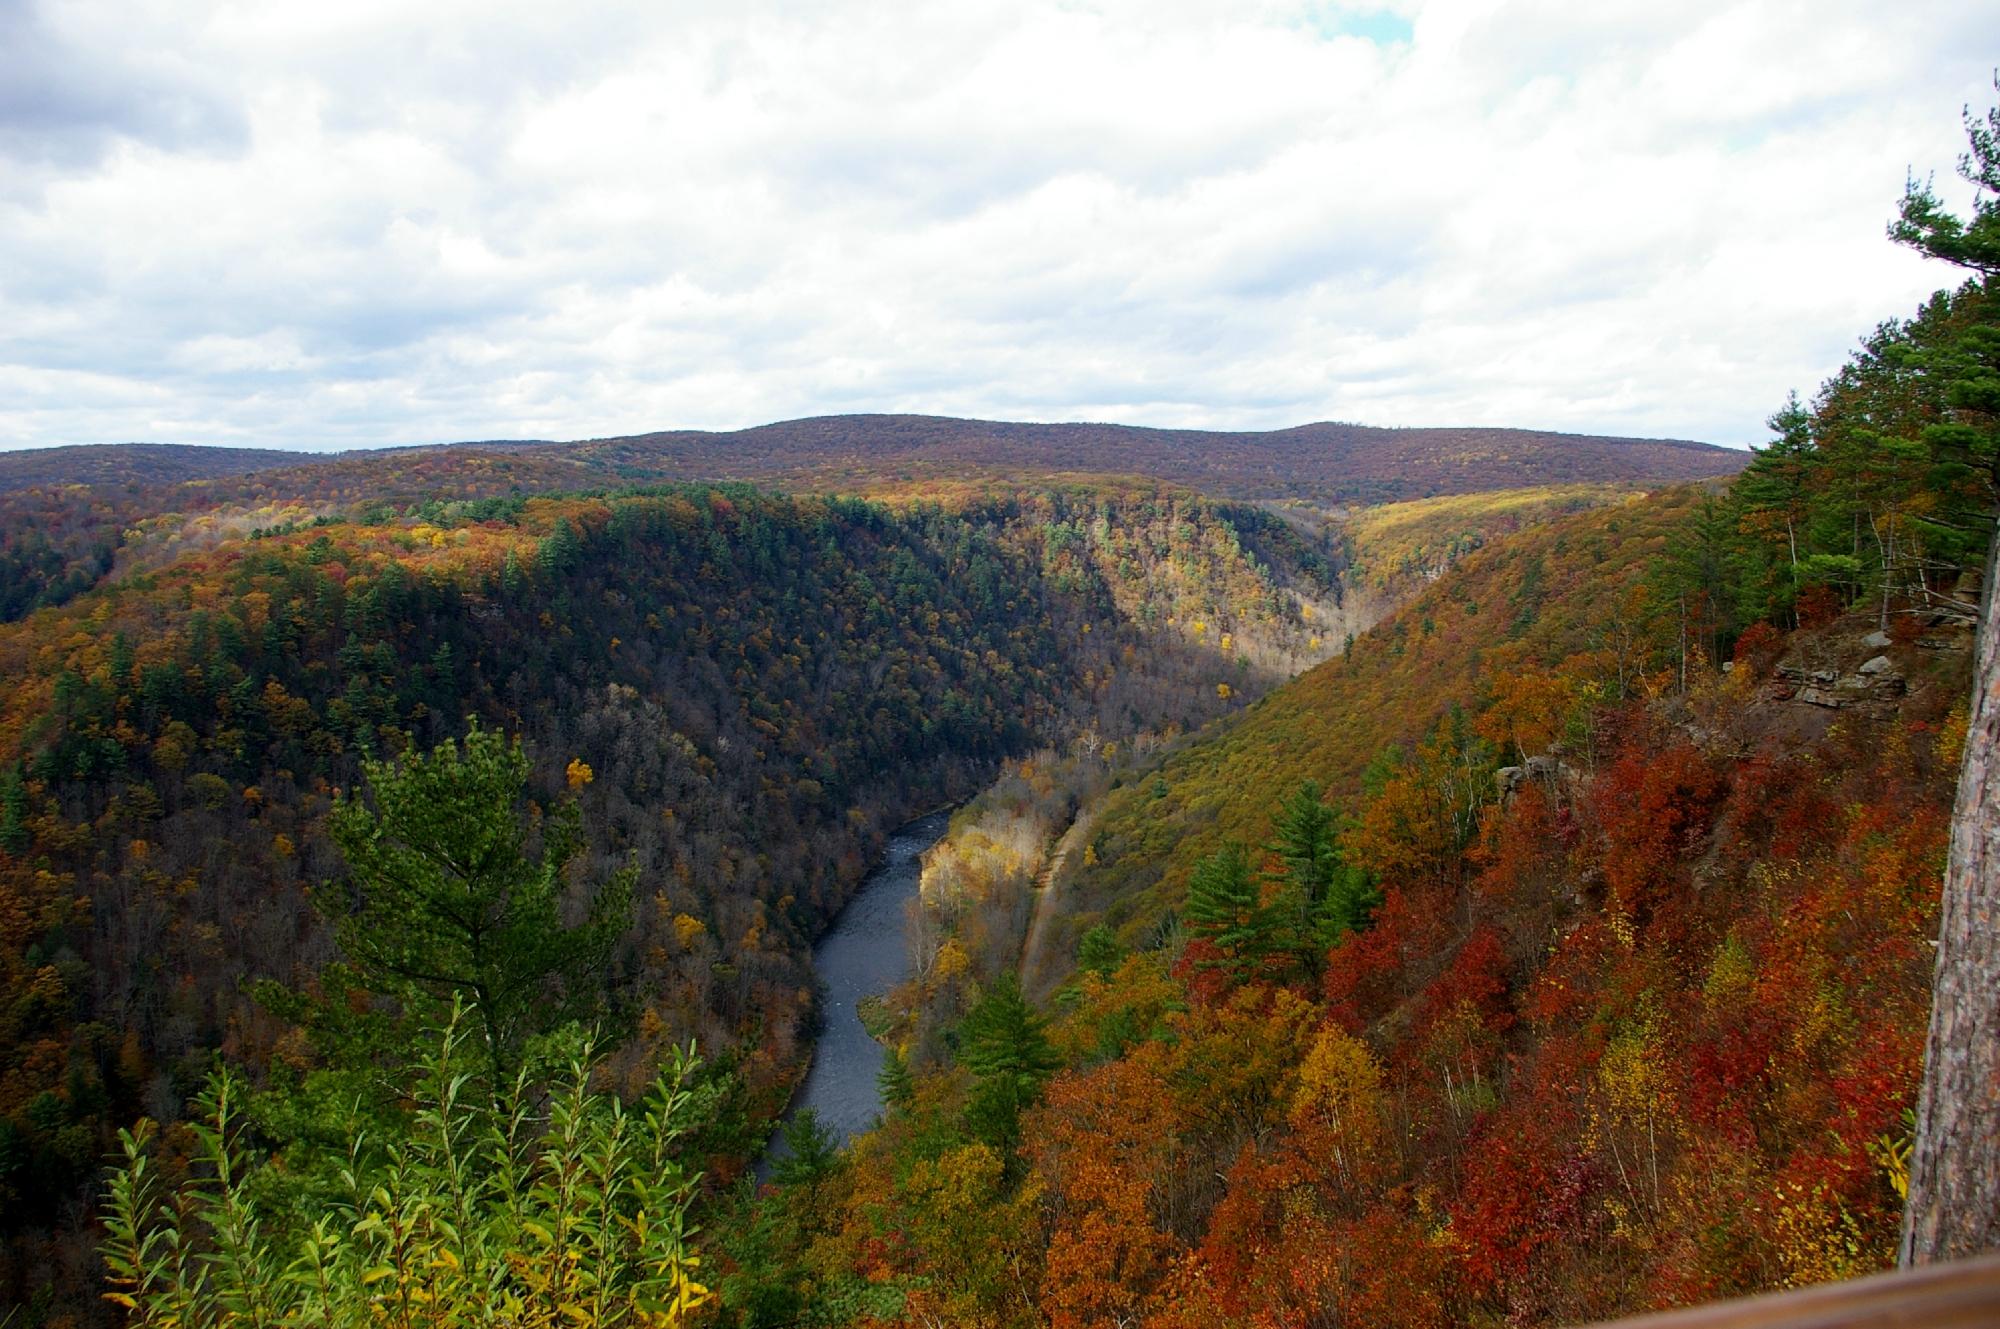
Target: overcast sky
[377, 221]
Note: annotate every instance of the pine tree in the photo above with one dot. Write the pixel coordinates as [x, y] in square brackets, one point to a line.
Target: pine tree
[1004, 1043]
[1774, 488]
[444, 904]
[1309, 860]
[557, 553]
[1321, 897]
[894, 1081]
[1098, 951]
[1224, 909]
[1924, 224]
[1697, 581]
[810, 1153]
[1305, 844]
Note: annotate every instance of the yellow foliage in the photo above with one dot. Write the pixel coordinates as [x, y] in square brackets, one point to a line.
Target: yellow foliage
[1817, 1240]
[1631, 1075]
[1339, 1082]
[1951, 741]
[1729, 974]
[952, 961]
[579, 773]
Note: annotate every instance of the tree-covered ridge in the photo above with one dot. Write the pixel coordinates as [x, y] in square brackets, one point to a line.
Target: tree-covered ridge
[1564, 603]
[132, 464]
[1418, 540]
[1328, 461]
[68, 517]
[742, 689]
[59, 538]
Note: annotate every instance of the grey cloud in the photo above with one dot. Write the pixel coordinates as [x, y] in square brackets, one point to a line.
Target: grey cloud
[478, 222]
[62, 103]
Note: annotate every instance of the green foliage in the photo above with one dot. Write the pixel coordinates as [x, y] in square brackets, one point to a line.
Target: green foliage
[552, 1206]
[1224, 909]
[1098, 951]
[1925, 224]
[1317, 896]
[1004, 1043]
[1322, 897]
[1885, 489]
[445, 904]
[808, 1153]
[1695, 582]
[13, 811]
[1305, 844]
[897, 1085]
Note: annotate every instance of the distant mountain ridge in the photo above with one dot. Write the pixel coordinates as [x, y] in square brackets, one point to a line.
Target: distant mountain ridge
[134, 463]
[1326, 460]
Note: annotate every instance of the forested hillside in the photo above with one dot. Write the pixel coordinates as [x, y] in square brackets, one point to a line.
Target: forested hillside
[69, 516]
[1561, 950]
[741, 691]
[132, 464]
[1521, 966]
[1326, 461]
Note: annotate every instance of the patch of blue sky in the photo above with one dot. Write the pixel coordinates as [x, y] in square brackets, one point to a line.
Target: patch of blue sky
[1380, 26]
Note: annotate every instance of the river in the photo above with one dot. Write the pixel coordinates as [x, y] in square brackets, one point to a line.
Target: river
[862, 955]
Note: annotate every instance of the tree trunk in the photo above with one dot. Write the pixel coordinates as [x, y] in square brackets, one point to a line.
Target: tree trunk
[1954, 1203]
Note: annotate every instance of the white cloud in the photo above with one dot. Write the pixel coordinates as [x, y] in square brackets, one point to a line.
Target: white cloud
[364, 223]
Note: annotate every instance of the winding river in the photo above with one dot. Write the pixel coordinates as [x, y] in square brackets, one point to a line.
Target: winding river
[862, 955]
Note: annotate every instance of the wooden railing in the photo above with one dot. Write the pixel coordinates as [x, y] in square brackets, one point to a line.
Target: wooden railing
[1959, 1295]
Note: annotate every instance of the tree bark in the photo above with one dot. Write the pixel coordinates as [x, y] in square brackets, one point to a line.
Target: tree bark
[1954, 1201]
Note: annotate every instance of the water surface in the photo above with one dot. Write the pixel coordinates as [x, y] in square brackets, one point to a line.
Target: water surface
[862, 955]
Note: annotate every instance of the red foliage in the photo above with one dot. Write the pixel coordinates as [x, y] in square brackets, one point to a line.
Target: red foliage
[1568, 984]
[1202, 972]
[1519, 849]
[1777, 800]
[1476, 976]
[1727, 1070]
[1654, 808]
[1759, 648]
[1360, 979]
[1245, 1221]
[1523, 1192]
[1818, 606]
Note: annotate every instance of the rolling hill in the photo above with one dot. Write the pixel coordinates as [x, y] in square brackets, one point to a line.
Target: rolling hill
[1325, 460]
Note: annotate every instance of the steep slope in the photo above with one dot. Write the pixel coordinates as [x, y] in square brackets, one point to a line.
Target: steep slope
[1561, 600]
[1634, 1023]
[753, 687]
